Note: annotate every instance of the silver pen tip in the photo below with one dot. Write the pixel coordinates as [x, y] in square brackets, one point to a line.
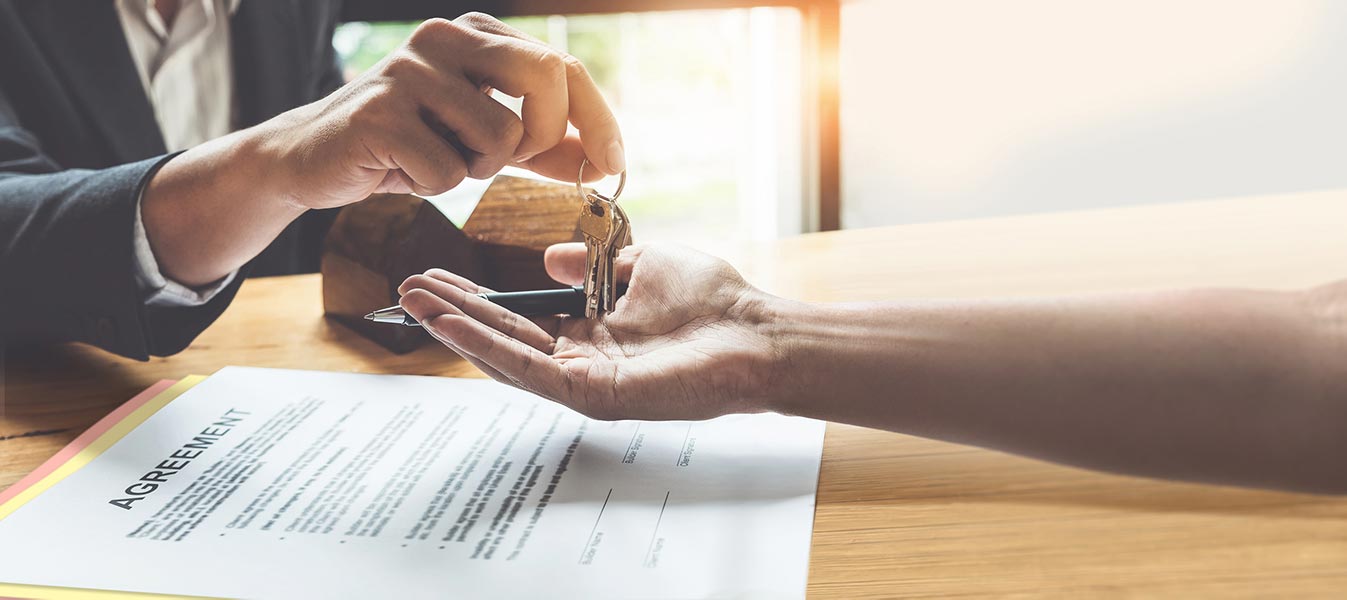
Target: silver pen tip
[392, 314]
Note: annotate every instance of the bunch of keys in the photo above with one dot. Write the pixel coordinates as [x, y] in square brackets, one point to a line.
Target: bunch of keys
[606, 229]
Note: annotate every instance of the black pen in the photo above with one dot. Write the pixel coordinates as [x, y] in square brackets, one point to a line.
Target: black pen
[565, 301]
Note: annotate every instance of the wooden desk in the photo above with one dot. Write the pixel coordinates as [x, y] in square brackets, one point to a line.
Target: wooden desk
[897, 516]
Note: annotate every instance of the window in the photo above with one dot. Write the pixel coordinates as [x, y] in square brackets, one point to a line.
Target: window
[710, 107]
[987, 108]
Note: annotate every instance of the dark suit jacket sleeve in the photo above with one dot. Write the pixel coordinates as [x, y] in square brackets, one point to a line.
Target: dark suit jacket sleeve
[66, 255]
[329, 67]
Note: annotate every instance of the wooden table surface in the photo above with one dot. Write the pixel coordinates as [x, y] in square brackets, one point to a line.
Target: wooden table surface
[897, 515]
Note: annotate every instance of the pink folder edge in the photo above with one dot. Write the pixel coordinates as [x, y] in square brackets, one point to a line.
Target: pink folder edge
[80, 443]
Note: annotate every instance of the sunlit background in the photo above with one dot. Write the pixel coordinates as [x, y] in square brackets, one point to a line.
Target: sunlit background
[957, 108]
[964, 108]
[709, 107]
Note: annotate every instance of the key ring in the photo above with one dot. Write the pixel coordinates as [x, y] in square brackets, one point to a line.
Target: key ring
[579, 181]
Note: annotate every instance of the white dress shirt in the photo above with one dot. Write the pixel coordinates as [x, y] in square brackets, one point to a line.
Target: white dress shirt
[187, 70]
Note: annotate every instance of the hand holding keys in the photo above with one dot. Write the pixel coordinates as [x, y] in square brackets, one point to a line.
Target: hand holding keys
[606, 229]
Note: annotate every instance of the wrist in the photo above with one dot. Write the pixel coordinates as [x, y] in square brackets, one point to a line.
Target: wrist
[211, 209]
[241, 167]
[784, 346]
[821, 352]
[263, 156]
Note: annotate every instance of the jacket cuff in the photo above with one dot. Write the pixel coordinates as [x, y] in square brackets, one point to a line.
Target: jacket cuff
[156, 288]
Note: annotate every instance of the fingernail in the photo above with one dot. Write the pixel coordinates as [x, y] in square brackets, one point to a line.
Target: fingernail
[524, 157]
[617, 159]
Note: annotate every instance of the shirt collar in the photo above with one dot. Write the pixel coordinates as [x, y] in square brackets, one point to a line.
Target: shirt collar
[146, 7]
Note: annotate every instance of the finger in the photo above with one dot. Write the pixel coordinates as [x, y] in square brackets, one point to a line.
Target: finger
[484, 22]
[488, 313]
[517, 67]
[590, 114]
[431, 164]
[466, 284]
[472, 360]
[545, 105]
[423, 306]
[522, 69]
[487, 370]
[483, 125]
[519, 364]
[548, 323]
[395, 182]
[565, 263]
[562, 161]
[526, 69]
[537, 75]
[523, 365]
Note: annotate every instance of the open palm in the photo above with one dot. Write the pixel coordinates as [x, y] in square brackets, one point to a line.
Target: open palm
[684, 342]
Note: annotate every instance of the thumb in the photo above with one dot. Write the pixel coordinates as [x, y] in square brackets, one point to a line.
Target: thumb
[566, 262]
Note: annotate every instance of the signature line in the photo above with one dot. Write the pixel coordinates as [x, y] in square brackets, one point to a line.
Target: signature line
[596, 526]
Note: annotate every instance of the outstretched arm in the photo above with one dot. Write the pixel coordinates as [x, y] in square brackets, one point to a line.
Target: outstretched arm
[1225, 386]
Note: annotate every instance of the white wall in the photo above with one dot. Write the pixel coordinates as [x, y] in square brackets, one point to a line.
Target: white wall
[961, 108]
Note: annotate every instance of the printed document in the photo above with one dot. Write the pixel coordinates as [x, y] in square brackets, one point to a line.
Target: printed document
[268, 483]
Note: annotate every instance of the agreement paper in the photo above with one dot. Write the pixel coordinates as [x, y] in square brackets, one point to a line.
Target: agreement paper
[287, 484]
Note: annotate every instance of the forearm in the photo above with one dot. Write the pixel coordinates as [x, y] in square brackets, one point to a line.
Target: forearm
[1225, 386]
[213, 208]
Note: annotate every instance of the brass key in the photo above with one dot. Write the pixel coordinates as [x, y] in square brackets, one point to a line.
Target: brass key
[605, 228]
[621, 229]
[598, 226]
